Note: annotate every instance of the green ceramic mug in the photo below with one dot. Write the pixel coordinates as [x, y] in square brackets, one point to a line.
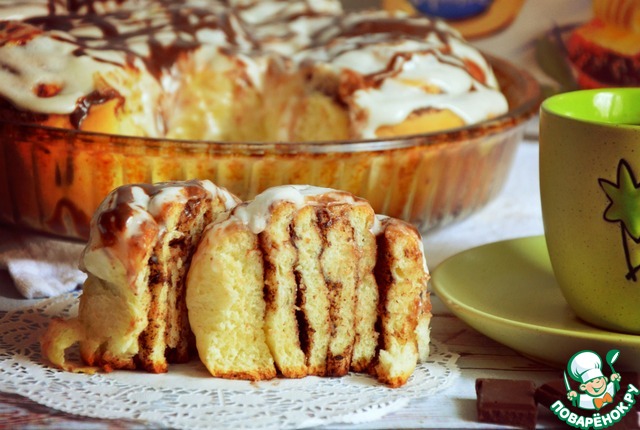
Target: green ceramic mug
[590, 194]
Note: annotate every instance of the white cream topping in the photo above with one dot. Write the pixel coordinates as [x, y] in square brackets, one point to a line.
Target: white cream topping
[140, 216]
[256, 12]
[168, 195]
[11, 11]
[171, 194]
[432, 74]
[37, 66]
[378, 224]
[115, 262]
[229, 200]
[395, 101]
[256, 213]
[145, 212]
[416, 72]
[424, 256]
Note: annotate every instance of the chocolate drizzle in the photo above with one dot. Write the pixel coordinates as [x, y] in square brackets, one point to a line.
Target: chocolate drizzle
[155, 35]
[120, 30]
[112, 221]
[85, 103]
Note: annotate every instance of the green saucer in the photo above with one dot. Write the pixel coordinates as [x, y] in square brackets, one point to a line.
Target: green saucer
[507, 291]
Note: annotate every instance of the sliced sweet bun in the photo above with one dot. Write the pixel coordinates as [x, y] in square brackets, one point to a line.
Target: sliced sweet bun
[226, 305]
[300, 281]
[280, 291]
[311, 261]
[240, 71]
[314, 320]
[101, 93]
[397, 75]
[403, 307]
[343, 290]
[339, 262]
[132, 311]
[363, 222]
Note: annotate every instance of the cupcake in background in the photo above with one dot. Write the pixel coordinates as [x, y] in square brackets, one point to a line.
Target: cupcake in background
[605, 51]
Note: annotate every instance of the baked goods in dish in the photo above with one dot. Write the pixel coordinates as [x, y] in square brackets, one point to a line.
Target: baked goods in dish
[343, 289]
[399, 75]
[606, 50]
[300, 281]
[240, 71]
[247, 73]
[132, 310]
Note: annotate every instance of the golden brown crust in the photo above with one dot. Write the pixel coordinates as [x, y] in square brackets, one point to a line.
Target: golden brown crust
[402, 282]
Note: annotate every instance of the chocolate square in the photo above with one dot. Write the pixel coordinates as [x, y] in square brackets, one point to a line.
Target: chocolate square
[507, 402]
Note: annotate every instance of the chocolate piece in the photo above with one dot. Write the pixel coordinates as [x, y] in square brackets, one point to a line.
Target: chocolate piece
[549, 393]
[508, 402]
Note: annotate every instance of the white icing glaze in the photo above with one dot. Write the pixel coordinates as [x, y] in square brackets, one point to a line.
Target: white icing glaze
[166, 196]
[229, 200]
[117, 262]
[431, 74]
[256, 213]
[11, 11]
[422, 69]
[378, 224]
[73, 74]
[424, 256]
[394, 102]
[144, 212]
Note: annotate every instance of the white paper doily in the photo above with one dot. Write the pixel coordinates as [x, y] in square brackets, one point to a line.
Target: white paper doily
[187, 397]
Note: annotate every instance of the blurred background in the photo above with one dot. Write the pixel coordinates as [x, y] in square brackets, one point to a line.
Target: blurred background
[520, 31]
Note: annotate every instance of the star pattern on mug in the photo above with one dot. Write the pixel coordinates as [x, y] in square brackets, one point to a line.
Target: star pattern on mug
[624, 208]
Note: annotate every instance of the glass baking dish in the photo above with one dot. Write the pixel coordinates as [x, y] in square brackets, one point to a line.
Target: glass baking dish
[52, 180]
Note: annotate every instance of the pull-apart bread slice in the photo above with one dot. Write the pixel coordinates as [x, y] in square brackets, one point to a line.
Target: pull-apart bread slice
[300, 281]
[132, 309]
[319, 295]
[404, 307]
[226, 305]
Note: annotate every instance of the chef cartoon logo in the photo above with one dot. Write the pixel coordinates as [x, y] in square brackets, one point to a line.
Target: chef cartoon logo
[597, 401]
[624, 208]
[597, 390]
